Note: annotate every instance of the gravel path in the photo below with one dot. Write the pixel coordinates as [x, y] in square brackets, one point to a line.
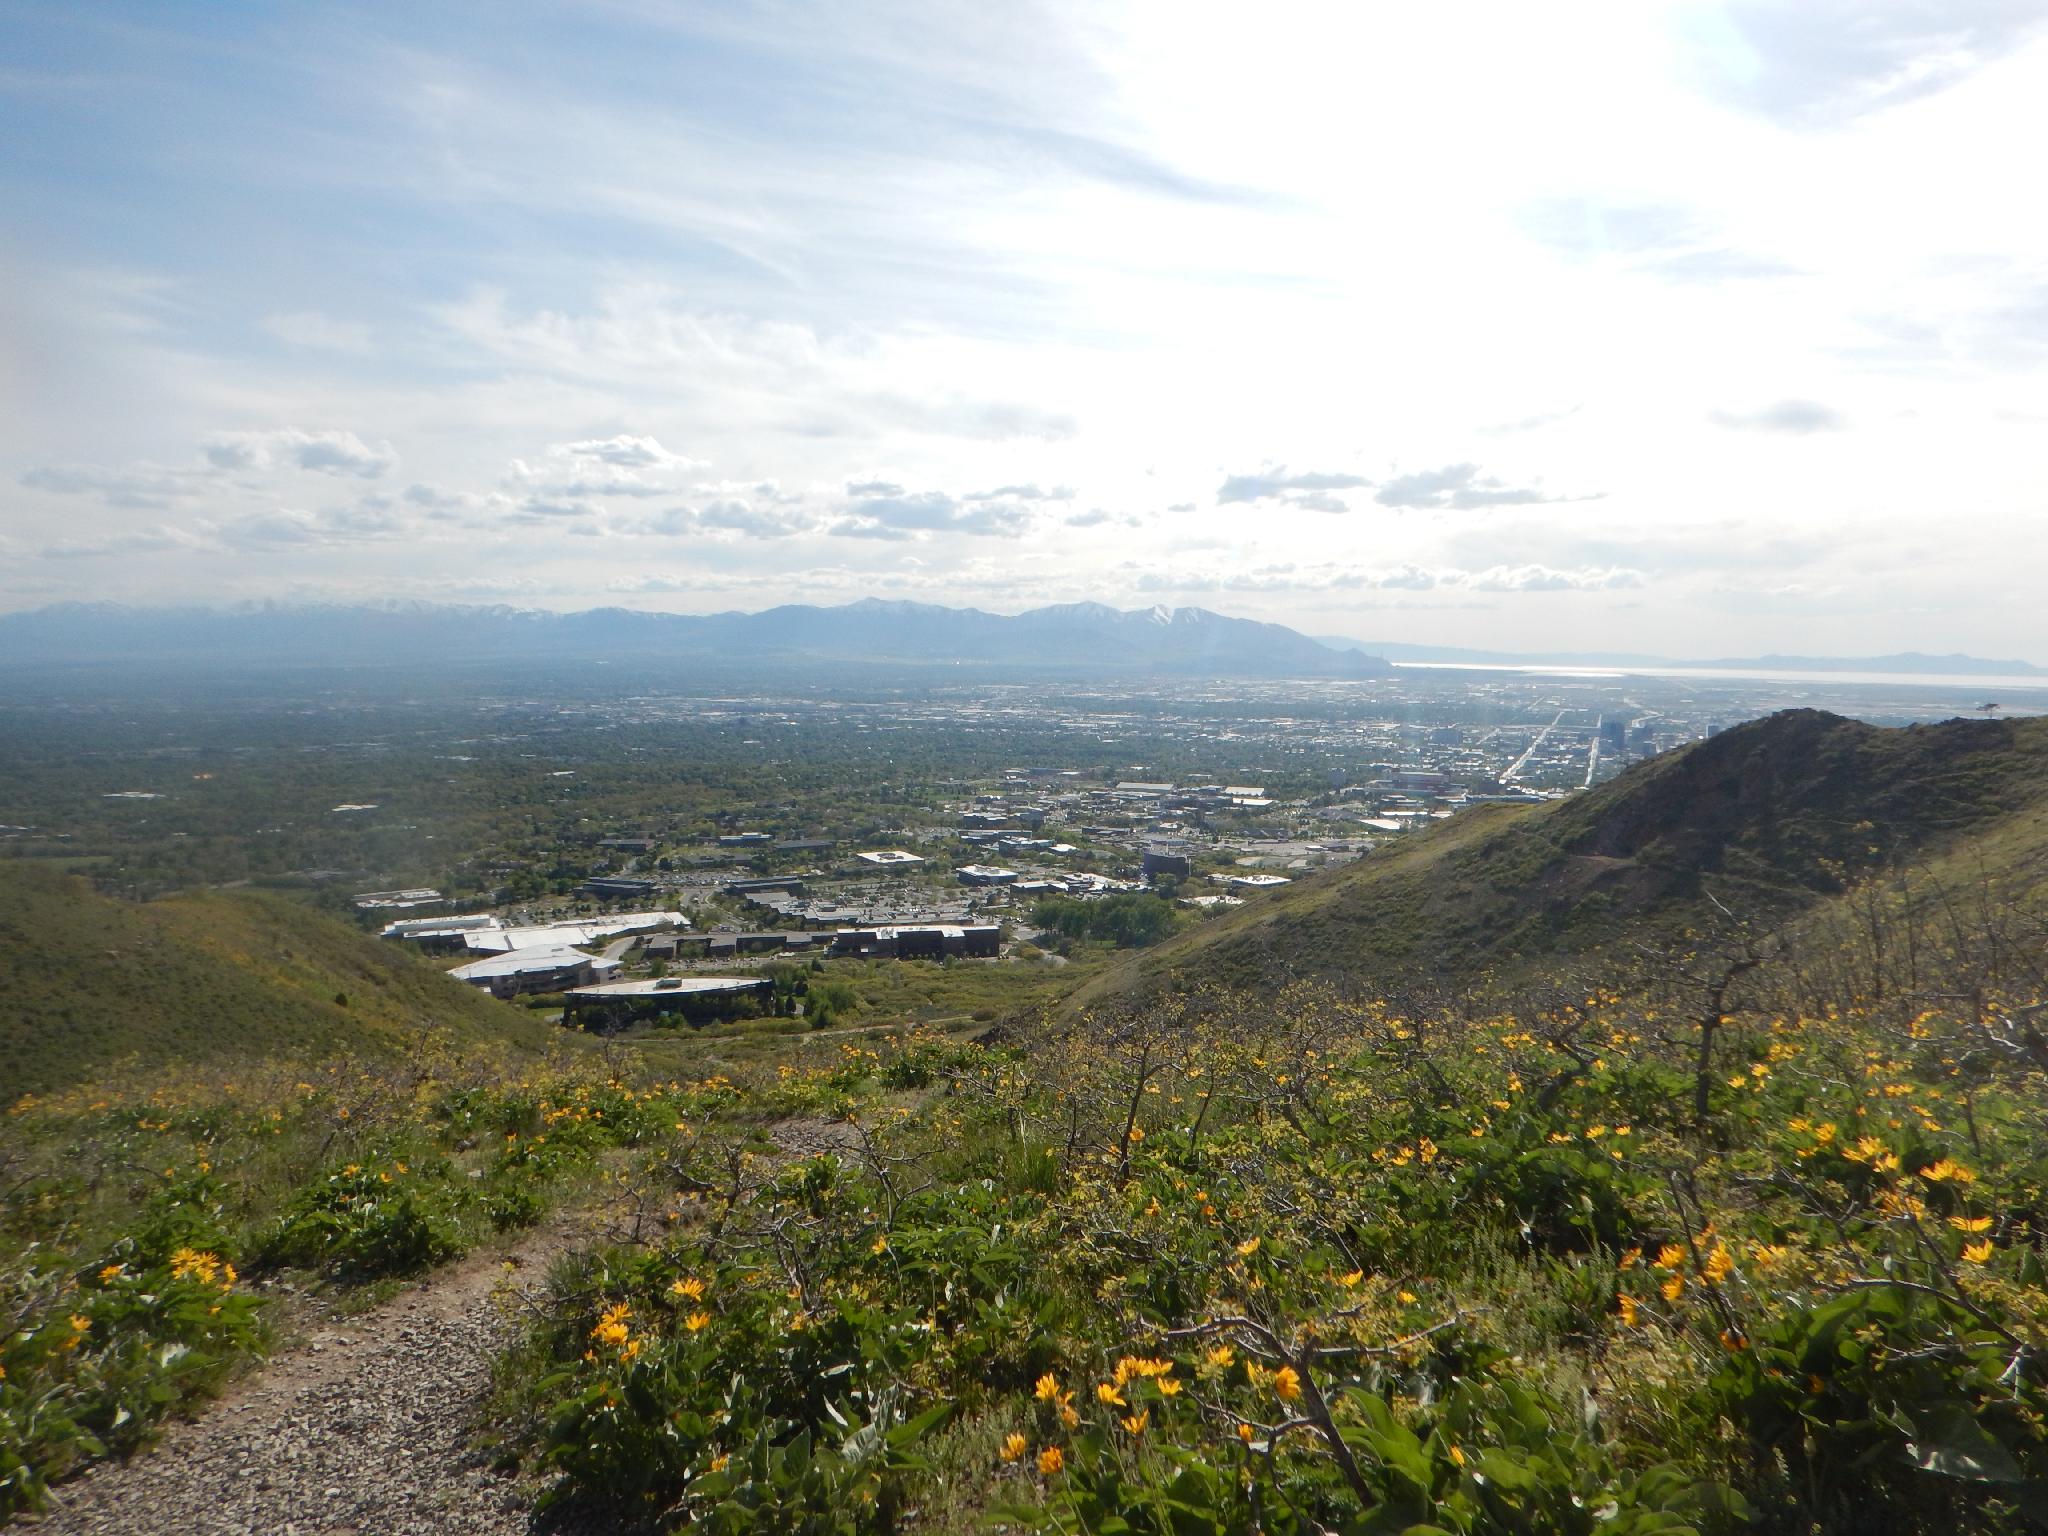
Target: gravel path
[361, 1429]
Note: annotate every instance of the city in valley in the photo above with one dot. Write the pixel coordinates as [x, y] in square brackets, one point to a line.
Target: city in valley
[644, 856]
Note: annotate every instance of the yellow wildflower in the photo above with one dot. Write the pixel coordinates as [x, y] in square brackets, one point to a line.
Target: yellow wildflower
[1048, 1388]
[1978, 1252]
[1960, 1223]
[1135, 1423]
[1013, 1448]
[1106, 1392]
[1248, 1247]
[1050, 1460]
[696, 1321]
[1720, 1263]
[1674, 1287]
[1287, 1383]
[611, 1325]
[189, 1264]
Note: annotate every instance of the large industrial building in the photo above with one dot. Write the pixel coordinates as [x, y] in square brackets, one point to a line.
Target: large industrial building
[1161, 859]
[926, 941]
[613, 1004]
[482, 933]
[543, 968]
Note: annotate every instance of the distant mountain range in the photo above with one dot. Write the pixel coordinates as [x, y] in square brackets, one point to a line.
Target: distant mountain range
[1076, 638]
[1068, 638]
[1902, 661]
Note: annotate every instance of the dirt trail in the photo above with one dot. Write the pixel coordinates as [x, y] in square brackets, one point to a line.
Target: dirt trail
[361, 1428]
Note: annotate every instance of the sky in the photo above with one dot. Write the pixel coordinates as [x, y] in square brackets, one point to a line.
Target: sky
[1699, 329]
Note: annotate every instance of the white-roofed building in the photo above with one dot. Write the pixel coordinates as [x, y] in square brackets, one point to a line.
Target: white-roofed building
[482, 933]
[542, 968]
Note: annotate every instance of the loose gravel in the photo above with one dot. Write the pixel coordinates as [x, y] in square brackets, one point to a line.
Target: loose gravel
[361, 1429]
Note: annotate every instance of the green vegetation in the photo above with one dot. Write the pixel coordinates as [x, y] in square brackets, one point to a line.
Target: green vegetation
[896, 992]
[1128, 921]
[140, 1210]
[1670, 1159]
[483, 789]
[91, 982]
[1767, 820]
[1306, 1266]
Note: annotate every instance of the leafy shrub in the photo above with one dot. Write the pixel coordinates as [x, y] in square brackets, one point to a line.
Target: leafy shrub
[92, 1375]
[363, 1223]
[1893, 1409]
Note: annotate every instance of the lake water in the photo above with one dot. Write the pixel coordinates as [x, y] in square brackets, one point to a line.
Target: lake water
[1993, 686]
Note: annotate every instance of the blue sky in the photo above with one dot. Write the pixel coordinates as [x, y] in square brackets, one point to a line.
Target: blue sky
[1693, 327]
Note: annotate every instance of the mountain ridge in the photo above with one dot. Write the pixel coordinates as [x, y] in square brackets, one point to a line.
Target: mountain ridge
[1068, 637]
[94, 982]
[1767, 820]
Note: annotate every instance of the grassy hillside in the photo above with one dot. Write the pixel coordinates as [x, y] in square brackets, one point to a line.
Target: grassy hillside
[1640, 1258]
[87, 982]
[1770, 819]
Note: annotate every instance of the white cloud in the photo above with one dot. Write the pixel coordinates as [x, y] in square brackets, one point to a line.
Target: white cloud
[1459, 487]
[138, 487]
[1334, 578]
[316, 332]
[1012, 285]
[324, 452]
[141, 541]
[1542, 578]
[1310, 488]
[625, 452]
[1799, 417]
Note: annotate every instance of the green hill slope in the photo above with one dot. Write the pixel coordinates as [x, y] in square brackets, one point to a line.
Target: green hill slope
[87, 981]
[1770, 819]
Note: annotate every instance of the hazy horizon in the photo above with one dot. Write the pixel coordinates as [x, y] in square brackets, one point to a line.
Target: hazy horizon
[1684, 329]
